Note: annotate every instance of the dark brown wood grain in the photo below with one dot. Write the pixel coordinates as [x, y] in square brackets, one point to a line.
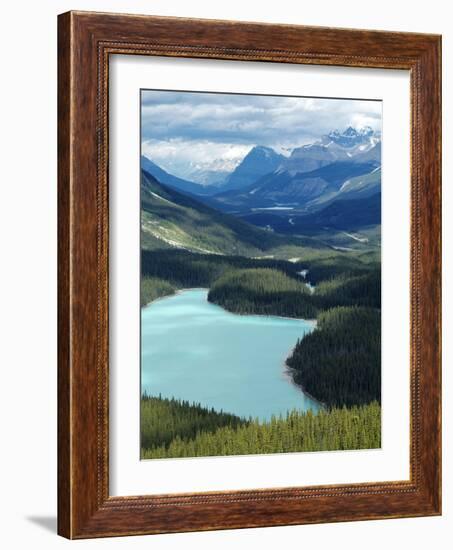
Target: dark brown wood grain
[64, 389]
[85, 42]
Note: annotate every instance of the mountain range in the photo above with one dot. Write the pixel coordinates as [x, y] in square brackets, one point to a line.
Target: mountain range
[171, 219]
[283, 190]
[173, 181]
[276, 191]
[258, 162]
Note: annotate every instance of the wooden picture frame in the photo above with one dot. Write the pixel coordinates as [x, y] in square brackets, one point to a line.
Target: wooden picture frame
[85, 42]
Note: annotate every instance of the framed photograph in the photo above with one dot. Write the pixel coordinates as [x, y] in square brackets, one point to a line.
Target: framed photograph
[249, 275]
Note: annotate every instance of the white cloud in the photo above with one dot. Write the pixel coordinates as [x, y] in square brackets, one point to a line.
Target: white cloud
[185, 157]
[214, 131]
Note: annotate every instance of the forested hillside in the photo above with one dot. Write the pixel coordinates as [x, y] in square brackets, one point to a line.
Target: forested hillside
[186, 270]
[183, 269]
[339, 363]
[172, 429]
[170, 218]
[163, 420]
[262, 291]
[267, 291]
[152, 288]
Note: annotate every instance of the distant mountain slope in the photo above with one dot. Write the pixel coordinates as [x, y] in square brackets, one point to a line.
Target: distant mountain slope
[173, 181]
[352, 137]
[262, 165]
[334, 147]
[282, 188]
[345, 214]
[212, 179]
[259, 161]
[357, 187]
[371, 154]
[183, 222]
[338, 172]
[311, 157]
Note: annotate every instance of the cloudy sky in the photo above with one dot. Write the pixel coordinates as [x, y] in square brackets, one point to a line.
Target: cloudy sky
[187, 132]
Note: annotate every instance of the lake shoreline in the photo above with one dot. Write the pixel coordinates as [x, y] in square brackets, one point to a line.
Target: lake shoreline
[175, 293]
[288, 372]
[216, 354]
[183, 290]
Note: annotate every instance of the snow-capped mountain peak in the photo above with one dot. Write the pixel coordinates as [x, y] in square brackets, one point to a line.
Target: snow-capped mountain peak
[350, 137]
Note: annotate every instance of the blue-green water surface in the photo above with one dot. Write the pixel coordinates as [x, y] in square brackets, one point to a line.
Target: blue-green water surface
[199, 352]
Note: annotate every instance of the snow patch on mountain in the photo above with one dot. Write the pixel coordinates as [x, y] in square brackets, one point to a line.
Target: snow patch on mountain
[351, 136]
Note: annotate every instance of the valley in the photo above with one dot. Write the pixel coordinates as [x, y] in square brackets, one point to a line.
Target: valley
[294, 237]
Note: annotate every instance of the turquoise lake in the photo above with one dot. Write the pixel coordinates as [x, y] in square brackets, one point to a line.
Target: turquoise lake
[197, 351]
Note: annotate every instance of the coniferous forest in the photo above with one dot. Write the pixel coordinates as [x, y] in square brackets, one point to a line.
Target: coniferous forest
[338, 364]
[173, 429]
